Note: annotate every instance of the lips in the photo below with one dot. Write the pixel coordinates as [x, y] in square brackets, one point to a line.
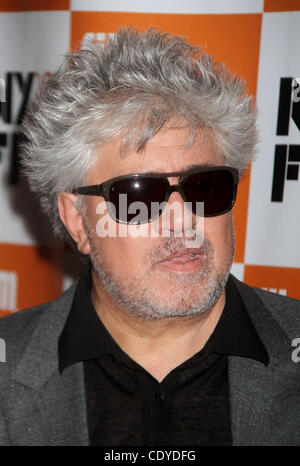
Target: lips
[186, 261]
[183, 256]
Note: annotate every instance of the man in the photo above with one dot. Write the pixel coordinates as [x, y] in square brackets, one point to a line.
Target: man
[136, 150]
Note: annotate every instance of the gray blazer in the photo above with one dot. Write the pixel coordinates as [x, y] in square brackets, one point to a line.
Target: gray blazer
[38, 406]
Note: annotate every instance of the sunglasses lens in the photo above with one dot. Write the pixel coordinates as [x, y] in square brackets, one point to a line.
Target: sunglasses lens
[139, 200]
[133, 198]
[216, 188]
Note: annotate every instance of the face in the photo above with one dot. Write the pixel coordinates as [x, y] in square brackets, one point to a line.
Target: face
[133, 270]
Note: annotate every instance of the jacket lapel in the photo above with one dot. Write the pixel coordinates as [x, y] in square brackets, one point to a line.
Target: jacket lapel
[43, 407]
[259, 415]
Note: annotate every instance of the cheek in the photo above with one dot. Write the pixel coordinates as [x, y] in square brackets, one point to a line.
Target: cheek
[123, 248]
[219, 231]
[123, 256]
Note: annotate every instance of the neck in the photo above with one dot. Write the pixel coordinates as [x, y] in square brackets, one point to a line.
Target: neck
[158, 345]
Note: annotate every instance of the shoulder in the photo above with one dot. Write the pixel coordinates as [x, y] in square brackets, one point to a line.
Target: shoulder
[285, 310]
[17, 329]
[20, 320]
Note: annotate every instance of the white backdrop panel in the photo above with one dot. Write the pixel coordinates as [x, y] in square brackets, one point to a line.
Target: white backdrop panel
[273, 227]
[171, 6]
[36, 45]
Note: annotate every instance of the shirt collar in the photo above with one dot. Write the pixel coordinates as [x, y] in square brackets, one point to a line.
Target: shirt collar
[84, 336]
[235, 333]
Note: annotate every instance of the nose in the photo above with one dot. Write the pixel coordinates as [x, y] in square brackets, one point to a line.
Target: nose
[177, 219]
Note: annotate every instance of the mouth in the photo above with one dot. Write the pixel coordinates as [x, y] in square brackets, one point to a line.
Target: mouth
[187, 260]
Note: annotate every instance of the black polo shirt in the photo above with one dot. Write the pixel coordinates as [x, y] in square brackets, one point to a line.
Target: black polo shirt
[128, 406]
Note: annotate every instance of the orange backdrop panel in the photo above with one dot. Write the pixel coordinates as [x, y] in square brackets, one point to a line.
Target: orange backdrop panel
[274, 277]
[34, 5]
[282, 5]
[233, 39]
[37, 269]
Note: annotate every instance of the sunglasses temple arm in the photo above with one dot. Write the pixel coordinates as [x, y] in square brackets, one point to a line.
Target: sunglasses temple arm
[95, 190]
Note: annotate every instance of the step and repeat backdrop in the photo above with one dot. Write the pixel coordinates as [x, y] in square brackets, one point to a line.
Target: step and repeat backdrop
[257, 39]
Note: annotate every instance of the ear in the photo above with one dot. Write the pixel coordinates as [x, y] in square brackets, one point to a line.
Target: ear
[73, 221]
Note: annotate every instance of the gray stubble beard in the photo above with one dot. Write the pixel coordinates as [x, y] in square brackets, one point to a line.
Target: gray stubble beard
[134, 296]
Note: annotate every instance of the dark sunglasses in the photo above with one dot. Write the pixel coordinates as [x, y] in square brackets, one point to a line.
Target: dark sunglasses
[215, 186]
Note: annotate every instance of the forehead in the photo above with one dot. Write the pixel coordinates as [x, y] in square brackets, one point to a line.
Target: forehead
[167, 151]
